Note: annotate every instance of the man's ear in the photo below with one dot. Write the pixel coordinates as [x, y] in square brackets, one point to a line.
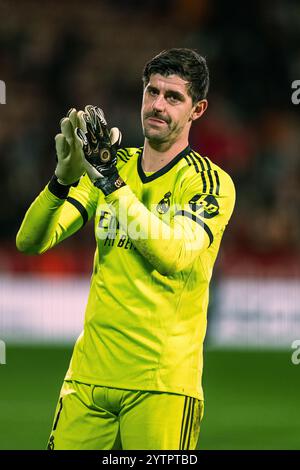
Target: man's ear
[199, 109]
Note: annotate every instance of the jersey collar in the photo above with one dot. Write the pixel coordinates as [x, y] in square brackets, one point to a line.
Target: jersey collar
[164, 169]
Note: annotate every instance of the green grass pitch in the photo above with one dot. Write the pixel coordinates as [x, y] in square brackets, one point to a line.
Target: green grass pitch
[251, 398]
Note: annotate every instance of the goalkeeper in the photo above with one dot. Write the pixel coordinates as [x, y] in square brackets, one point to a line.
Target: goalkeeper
[134, 380]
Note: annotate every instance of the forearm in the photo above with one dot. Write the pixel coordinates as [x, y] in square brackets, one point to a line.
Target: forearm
[169, 248]
[38, 229]
[45, 223]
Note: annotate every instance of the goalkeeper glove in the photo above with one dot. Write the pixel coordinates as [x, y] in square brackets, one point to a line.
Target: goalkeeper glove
[100, 149]
[70, 157]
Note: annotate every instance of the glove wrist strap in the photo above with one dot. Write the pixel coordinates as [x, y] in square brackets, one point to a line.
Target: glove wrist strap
[58, 189]
[109, 184]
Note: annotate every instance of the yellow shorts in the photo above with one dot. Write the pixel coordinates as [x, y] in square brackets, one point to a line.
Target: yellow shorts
[92, 417]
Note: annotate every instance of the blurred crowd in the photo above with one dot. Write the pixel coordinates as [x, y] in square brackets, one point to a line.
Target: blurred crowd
[56, 55]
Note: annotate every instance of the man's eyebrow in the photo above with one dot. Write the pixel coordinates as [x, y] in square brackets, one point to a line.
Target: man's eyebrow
[152, 87]
[169, 92]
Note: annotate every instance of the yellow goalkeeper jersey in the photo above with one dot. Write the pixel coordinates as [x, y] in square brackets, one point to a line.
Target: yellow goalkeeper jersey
[157, 239]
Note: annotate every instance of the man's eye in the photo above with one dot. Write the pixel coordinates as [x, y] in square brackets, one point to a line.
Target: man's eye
[173, 99]
[152, 92]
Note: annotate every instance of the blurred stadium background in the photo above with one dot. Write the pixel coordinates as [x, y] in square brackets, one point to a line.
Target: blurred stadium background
[54, 55]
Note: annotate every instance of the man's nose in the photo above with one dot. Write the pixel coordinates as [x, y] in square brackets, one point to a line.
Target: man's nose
[158, 104]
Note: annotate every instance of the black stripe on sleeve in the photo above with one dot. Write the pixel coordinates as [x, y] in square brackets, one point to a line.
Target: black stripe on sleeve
[209, 170]
[194, 163]
[121, 154]
[207, 163]
[218, 183]
[203, 181]
[211, 187]
[127, 153]
[80, 208]
[199, 221]
[124, 154]
[122, 158]
[203, 171]
[199, 160]
[189, 163]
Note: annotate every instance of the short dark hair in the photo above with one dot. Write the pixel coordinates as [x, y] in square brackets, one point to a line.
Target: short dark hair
[186, 63]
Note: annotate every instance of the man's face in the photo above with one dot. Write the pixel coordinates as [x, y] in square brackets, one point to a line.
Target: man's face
[166, 109]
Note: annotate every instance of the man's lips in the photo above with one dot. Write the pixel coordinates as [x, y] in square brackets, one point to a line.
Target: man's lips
[156, 120]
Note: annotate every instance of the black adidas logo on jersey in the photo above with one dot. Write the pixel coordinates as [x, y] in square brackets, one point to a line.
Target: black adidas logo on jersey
[164, 205]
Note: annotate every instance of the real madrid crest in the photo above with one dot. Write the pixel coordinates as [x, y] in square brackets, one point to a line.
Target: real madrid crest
[164, 205]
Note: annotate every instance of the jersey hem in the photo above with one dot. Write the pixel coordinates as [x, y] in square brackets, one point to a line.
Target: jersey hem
[150, 388]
